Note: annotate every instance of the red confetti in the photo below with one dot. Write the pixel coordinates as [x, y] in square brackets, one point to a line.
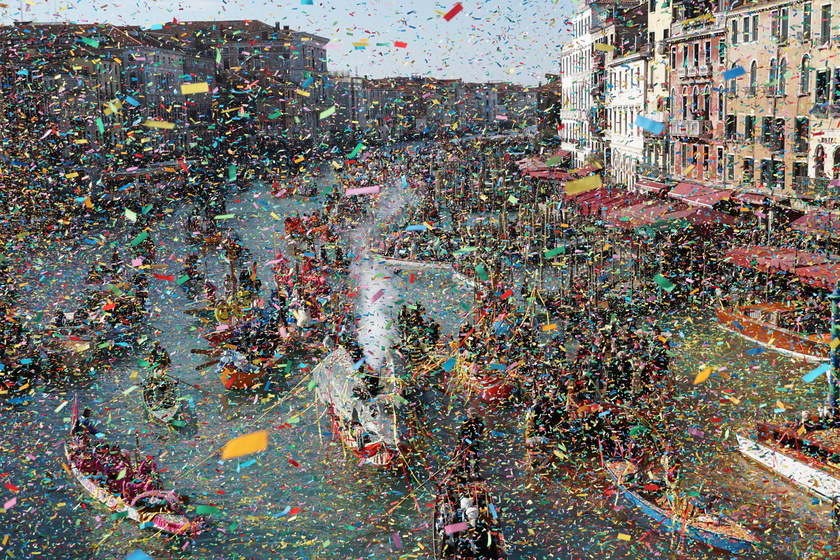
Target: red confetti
[294, 511]
[109, 306]
[294, 463]
[507, 294]
[400, 44]
[12, 487]
[456, 9]
[411, 278]
[164, 277]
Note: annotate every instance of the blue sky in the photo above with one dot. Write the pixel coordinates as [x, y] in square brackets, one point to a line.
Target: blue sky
[493, 40]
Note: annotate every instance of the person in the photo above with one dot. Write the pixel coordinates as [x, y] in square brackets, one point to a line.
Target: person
[159, 357]
[85, 424]
[472, 429]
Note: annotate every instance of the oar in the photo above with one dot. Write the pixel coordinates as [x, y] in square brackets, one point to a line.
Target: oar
[204, 351]
[206, 365]
[185, 383]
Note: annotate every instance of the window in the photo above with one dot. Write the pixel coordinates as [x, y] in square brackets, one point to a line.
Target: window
[707, 103]
[722, 52]
[753, 78]
[806, 21]
[731, 127]
[696, 49]
[821, 90]
[804, 74]
[719, 162]
[836, 89]
[731, 87]
[766, 129]
[746, 37]
[819, 161]
[800, 171]
[773, 77]
[800, 135]
[730, 167]
[755, 28]
[774, 25]
[778, 138]
[784, 16]
[825, 24]
[708, 53]
[781, 85]
[673, 57]
[734, 33]
[749, 171]
[749, 127]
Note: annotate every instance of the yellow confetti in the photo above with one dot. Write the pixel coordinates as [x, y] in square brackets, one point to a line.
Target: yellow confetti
[201, 87]
[703, 376]
[159, 124]
[623, 537]
[244, 445]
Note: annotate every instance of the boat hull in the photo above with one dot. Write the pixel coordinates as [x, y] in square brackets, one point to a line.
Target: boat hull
[773, 337]
[167, 523]
[795, 471]
[233, 378]
[675, 524]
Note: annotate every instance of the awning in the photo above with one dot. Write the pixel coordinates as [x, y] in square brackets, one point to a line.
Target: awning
[559, 154]
[750, 198]
[651, 186]
[637, 215]
[823, 276]
[585, 170]
[821, 223]
[561, 175]
[587, 196]
[707, 200]
[700, 217]
[539, 173]
[778, 258]
[688, 189]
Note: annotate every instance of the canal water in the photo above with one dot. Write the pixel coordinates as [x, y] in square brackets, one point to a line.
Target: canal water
[304, 497]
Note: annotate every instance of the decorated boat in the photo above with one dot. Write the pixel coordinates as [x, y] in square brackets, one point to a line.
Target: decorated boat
[807, 455]
[153, 508]
[236, 371]
[372, 425]
[494, 383]
[777, 327]
[412, 263]
[466, 523]
[676, 513]
[160, 398]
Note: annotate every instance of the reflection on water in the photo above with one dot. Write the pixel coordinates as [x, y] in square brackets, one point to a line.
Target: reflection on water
[327, 507]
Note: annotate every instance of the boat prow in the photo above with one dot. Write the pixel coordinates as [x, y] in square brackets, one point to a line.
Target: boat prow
[767, 325]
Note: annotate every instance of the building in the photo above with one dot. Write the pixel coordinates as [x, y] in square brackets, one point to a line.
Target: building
[655, 163]
[698, 61]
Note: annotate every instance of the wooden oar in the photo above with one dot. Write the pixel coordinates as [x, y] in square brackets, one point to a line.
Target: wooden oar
[196, 387]
[206, 365]
[204, 351]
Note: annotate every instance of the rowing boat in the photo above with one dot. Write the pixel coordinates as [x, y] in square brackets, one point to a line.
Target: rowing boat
[160, 398]
[712, 529]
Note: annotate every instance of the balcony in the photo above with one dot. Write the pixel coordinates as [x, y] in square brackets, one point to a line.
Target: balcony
[682, 72]
[651, 171]
[704, 70]
[698, 24]
[814, 186]
[692, 129]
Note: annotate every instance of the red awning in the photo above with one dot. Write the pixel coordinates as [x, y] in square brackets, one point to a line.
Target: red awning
[689, 189]
[700, 217]
[821, 223]
[777, 258]
[651, 186]
[587, 196]
[823, 276]
[637, 215]
[746, 256]
[585, 170]
[559, 154]
[707, 200]
[750, 198]
[539, 173]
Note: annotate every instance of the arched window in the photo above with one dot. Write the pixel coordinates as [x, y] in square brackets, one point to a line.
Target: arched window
[685, 103]
[707, 103]
[695, 102]
[731, 87]
[753, 78]
[781, 83]
[804, 74]
[819, 161]
[773, 75]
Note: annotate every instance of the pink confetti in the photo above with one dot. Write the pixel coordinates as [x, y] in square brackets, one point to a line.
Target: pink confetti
[377, 295]
[10, 504]
[455, 528]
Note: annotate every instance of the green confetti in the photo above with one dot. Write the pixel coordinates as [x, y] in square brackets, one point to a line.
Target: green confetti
[139, 239]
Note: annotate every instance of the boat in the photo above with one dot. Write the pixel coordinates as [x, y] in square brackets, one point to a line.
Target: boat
[685, 517]
[473, 531]
[411, 263]
[154, 509]
[809, 458]
[374, 428]
[772, 325]
[160, 398]
[490, 385]
[236, 371]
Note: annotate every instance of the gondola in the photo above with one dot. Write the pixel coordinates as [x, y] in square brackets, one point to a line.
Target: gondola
[160, 398]
[154, 509]
[236, 371]
[678, 513]
[374, 428]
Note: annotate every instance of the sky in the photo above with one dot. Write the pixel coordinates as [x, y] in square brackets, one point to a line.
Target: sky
[491, 40]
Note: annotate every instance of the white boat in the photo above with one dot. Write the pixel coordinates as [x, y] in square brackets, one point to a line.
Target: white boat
[792, 466]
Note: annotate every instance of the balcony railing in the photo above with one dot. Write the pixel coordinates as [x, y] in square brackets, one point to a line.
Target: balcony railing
[692, 128]
[814, 186]
[682, 72]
